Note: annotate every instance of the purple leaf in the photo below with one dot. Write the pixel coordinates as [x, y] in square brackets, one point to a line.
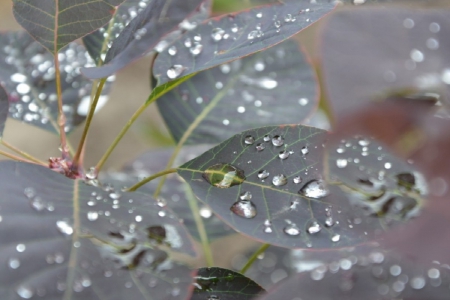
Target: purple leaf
[63, 239]
[56, 23]
[28, 76]
[143, 33]
[275, 86]
[226, 38]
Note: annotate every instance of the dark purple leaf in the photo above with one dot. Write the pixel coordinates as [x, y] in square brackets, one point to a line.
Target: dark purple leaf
[223, 284]
[63, 239]
[4, 108]
[28, 76]
[56, 23]
[226, 38]
[376, 276]
[268, 184]
[143, 33]
[412, 58]
[275, 86]
[174, 192]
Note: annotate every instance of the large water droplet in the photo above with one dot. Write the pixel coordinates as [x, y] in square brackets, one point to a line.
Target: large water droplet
[217, 34]
[175, 71]
[224, 175]
[244, 208]
[314, 227]
[292, 230]
[314, 189]
[279, 180]
[64, 227]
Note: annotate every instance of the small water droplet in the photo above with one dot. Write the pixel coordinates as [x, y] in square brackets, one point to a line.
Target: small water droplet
[64, 227]
[263, 174]
[205, 212]
[246, 196]
[266, 138]
[259, 15]
[283, 154]
[24, 292]
[314, 227]
[341, 163]
[435, 27]
[387, 165]
[418, 282]
[224, 175]
[314, 189]
[37, 204]
[292, 230]
[138, 218]
[305, 150]
[279, 180]
[408, 23]
[172, 50]
[14, 263]
[254, 34]
[188, 42]
[336, 238]
[260, 147]
[259, 66]
[278, 141]
[297, 179]
[249, 140]
[217, 34]
[175, 71]
[92, 215]
[225, 68]
[417, 55]
[21, 248]
[244, 208]
[196, 49]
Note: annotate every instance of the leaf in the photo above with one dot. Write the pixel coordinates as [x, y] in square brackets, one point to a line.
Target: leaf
[230, 37]
[174, 193]
[125, 13]
[412, 58]
[27, 71]
[4, 108]
[56, 23]
[268, 184]
[373, 276]
[275, 86]
[143, 33]
[63, 239]
[223, 284]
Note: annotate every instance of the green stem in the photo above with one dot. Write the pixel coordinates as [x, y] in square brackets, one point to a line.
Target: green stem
[148, 179]
[88, 124]
[24, 154]
[193, 205]
[254, 257]
[18, 158]
[61, 115]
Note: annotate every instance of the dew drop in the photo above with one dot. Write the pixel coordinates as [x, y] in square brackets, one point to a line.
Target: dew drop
[138, 218]
[196, 49]
[246, 196]
[249, 140]
[175, 71]
[172, 50]
[283, 154]
[225, 68]
[24, 292]
[297, 179]
[387, 165]
[418, 283]
[341, 163]
[14, 263]
[303, 101]
[205, 212]
[259, 66]
[260, 147]
[314, 227]
[278, 141]
[244, 208]
[292, 230]
[435, 27]
[217, 34]
[417, 55]
[64, 227]
[266, 138]
[223, 175]
[188, 43]
[279, 180]
[314, 189]
[336, 238]
[92, 215]
[21, 248]
[305, 150]
[408, 23]
[37, 204]
[263, 174]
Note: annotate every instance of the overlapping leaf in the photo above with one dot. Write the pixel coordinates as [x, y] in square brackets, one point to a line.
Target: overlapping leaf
[372, 277]
[27, 71]
[4, 108]
[158, 19]
[63, 239]
[268, 183]
[230, 37]
[56, 23]
[412, 58]
[218, 283]
[275, 86]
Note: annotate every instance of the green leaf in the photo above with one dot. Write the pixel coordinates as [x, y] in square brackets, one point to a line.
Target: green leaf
[275, 86]
[223, 284]
[63, 239]
[56, 23]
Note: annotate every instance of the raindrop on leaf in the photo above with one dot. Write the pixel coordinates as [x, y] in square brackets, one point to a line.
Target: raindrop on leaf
[175, 71]
[279, 180]
[244, 208]
[314, 189]
[217, 34]
[292, 230]
[224, 175]
[278, 141]
[263, 174]
[314, 227]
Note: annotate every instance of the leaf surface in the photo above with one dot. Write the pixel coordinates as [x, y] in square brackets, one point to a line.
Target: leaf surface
[275, 86]
[4, 108]
[27, 71]
[218, 283]
[144, 32]
[229, 37]
[56, 23]
[63, 239]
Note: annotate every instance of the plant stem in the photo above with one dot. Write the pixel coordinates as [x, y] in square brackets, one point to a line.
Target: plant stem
[61, 115]
[193, 205]
[76, 158]
[148, 179]
[24, 154]
[254, 257]
[18, 158]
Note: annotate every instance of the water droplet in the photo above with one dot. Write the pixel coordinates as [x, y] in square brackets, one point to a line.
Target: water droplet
[24, 292]
[314, 189]
[37, 204]
[254, 34]
[336, 238]
[297, 179]
[303, 101]
[314, 227]
[64, 227]
[259, 66]
[175, 71]
[435, 27]
[225, 68]
[387, 165]
[172, 50]
[14, 263]
[188, 43]
[138, 218]
[217, 34]
[205, 212]
[244, 208]
[259, 15]
[263, 174]
[246, 196]
[292, 230]
[241, 109]
[279, 180]
[395, 270]
[288, 18]
[408, 23]
[266, 138]
[418, 282]
[224, 175]
[341, 163]
[23, 88]
[213, 297]
[197, 49]
[278, 141]
[21, 248]
[305, 150]
[249, 140]
[260, 147]
[283, 154]
[140, 33]
[358, 2]
[417, 55]
[92, 215]
[432, 44]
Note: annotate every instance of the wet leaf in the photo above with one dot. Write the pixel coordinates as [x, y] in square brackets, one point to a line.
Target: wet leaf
[283, 198]
[374, 276]
[217, 283]
[174, 193]
[275, 86]
[64, 239]
[4, 108]
[411, 59]
[54, 24]
[28, 75]
[230, 37]
[143, 33]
